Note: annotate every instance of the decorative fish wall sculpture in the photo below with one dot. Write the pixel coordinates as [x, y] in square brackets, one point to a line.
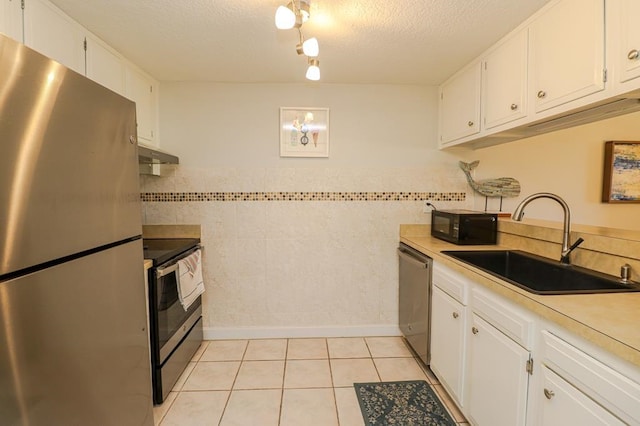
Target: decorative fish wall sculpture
[499, 187]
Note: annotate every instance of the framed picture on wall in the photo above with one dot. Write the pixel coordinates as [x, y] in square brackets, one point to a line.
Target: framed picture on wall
[621, 182]
[304, 132]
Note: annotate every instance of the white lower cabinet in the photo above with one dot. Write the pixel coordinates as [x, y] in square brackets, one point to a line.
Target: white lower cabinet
[564, 404]
[448, 318]
[504, 366]
[581, 382]
[497, 379]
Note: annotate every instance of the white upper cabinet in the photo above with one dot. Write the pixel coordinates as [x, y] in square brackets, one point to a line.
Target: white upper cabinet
[52, 33]
[572, 56]
[504, 81]
[11, 19]
[628, 56]
[567, 52]
[104, 65]
[142, 89]
[460, 105]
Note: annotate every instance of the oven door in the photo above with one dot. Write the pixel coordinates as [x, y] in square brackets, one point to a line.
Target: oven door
[170, 322]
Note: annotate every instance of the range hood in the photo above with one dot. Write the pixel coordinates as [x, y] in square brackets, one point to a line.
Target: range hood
[150, 160]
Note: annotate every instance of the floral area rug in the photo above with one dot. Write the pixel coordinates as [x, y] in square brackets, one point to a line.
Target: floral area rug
[409, 403]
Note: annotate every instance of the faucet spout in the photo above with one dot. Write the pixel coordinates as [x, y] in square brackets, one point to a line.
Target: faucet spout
[518, 213]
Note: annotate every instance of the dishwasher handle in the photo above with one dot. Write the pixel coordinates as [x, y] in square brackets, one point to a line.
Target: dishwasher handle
[409, 257]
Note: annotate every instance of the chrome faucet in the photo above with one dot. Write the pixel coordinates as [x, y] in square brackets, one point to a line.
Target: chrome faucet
[518, 213]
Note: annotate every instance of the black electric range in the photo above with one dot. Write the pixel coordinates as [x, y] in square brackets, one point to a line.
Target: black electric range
[161, 250]
[175, 332]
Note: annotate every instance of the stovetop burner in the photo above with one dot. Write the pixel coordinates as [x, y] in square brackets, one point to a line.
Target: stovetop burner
[161, 250]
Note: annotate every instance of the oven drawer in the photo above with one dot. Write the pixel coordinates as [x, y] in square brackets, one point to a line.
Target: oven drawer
[167, 374]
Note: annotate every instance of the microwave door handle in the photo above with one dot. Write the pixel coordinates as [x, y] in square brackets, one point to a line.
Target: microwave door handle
[161, 272]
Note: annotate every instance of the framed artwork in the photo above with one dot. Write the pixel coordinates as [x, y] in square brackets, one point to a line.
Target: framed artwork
[621, 182]
[304, 132]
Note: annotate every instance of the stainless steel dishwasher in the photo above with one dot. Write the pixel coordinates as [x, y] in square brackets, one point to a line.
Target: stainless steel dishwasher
[415, 300]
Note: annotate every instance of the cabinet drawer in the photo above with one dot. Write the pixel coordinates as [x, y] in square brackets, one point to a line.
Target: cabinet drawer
[563, 404]
[452, 283]
[614, 391]
[512, 321]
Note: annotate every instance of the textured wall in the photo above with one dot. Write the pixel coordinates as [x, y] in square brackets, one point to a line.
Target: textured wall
[323, 263]
[569, 163]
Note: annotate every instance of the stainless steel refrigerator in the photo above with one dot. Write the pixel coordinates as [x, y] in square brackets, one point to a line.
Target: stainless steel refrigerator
[73, 339]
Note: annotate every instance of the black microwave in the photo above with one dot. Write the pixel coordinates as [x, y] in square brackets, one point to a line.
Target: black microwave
[464, 227]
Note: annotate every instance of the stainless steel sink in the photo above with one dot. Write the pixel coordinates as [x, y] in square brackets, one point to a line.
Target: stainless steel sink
[540, 275]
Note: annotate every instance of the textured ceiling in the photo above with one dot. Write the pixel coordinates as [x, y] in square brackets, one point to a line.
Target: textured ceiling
[361, 41]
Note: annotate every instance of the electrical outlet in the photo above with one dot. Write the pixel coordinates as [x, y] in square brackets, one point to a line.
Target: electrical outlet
[427, 207]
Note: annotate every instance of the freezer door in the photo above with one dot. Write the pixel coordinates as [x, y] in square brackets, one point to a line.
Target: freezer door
[73, 343]
[68, 161]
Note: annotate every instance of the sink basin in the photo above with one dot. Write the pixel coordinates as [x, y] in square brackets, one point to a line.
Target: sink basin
[540, 275]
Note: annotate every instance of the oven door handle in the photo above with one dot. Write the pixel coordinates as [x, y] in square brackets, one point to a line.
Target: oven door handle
[161, 272]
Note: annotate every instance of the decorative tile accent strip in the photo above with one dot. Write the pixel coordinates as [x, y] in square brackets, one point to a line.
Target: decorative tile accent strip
[301, 196]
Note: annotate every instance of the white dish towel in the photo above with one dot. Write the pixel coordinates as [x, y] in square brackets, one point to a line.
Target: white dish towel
[190, 282]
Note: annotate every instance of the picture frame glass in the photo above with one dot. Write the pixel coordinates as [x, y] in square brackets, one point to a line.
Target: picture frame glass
[304, 132]
[621, 182]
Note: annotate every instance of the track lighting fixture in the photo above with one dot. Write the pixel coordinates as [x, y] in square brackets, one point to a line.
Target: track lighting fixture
[309, 47]
[313, 72]
[293, 15]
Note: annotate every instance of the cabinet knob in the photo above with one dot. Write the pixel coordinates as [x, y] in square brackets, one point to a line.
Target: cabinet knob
[633, 54]
[455, 315]
[549, 393]
[514, 107]
[474, 330]
[470, 124]
[542, 94]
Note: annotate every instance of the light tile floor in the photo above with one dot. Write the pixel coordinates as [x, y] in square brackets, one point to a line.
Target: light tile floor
[283, 382]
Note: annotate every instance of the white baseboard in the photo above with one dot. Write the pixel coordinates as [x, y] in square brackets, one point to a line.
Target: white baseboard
[216, 333]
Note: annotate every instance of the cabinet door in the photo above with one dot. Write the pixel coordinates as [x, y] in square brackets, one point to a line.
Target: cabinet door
[567, 53]
[460, 105]
[104, 66]
[563, 404]
[140, 89]
[629, 54]
[11, 19]
[504, 85]
[497, 377]
[54, 34]
[447, 342]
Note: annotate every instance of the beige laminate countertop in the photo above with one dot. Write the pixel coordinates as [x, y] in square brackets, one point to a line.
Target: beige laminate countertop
[608, 320]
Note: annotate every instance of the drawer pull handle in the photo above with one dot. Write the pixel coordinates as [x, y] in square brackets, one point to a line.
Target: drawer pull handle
[514, 107]
[455, 315]
[633, 54]
[474, 330]
[549, 393]
[542, 94]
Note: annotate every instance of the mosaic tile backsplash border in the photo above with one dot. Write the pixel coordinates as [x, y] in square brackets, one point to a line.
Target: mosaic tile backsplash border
[300, 196]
